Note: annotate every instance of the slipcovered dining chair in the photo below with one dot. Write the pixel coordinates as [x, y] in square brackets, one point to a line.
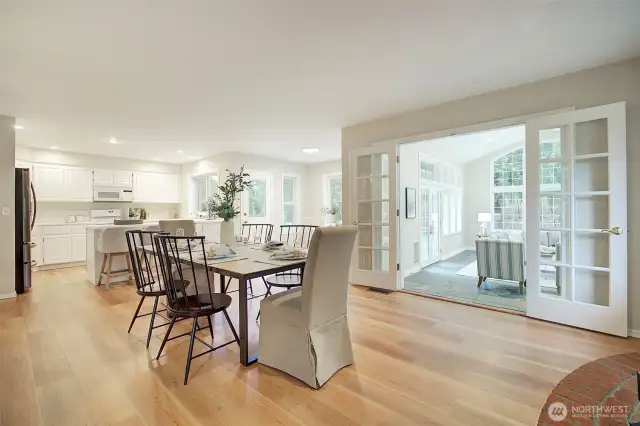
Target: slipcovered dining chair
[304, 331]
[171, 225]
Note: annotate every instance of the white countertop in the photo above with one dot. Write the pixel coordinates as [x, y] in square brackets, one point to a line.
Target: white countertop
[111, 225]
[100, 225]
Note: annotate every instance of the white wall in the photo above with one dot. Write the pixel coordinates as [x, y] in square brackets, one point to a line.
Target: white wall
[233, 161]
[59, 211]
[7, 198]
[410, 228]
[314, 194]
[477, 192]
[596, 86]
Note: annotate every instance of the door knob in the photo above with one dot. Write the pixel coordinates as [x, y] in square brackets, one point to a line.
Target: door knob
[355, 223]
[616, 230]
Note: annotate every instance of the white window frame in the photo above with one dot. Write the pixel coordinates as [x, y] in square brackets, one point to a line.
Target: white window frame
[194, 199]
[326, 196]
[296, 198]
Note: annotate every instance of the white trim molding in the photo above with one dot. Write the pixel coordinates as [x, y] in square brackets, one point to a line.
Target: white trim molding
[8, 296]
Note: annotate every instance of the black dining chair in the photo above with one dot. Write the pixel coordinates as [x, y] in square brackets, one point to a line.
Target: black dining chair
[296, 236]
[257, 232]
[183, 259]
[146, 274]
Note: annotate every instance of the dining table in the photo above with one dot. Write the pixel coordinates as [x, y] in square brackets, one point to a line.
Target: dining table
[249, 262]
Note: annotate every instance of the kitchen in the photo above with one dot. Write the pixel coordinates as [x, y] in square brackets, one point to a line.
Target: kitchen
[77, 196]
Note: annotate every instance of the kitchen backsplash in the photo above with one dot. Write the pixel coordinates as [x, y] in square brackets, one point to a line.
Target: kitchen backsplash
[60, 212]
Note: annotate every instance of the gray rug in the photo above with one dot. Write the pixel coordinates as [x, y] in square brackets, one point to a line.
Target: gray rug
[440, 279]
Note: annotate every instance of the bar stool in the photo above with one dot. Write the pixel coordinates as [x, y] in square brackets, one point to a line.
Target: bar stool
[112, 243]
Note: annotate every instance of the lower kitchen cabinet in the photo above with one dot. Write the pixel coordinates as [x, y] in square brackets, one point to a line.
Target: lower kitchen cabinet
[56, 249]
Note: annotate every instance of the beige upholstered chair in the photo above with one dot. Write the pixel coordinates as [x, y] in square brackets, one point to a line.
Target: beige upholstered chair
[171, 225]
[304, 331]
[113, 244]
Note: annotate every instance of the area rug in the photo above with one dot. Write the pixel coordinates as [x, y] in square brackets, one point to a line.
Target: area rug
[547, 277]
[603, 392]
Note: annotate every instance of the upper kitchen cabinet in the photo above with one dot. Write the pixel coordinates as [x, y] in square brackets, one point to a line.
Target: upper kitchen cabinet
[49, 182]
[112, 177]
[78, 185]
[60, 183]
[156, 188]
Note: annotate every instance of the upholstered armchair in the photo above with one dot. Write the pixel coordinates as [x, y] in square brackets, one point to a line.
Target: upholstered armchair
[502, 260]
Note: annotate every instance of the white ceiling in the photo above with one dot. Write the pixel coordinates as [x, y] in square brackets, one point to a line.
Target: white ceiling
[273, 76]
[461, 149]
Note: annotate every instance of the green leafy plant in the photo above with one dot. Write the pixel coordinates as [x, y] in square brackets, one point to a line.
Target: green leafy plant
[330, 211]
[223, 204]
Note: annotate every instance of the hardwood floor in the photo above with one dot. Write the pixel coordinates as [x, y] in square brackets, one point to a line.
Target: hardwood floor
[66, 359]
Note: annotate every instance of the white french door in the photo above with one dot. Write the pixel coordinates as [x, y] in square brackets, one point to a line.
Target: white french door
[576, 197]
[429, 225]
[373, 210]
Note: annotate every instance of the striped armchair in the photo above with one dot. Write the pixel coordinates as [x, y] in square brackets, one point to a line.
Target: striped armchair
[500, 259]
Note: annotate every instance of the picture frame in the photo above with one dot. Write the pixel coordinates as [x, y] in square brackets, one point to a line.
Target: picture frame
[410, 202]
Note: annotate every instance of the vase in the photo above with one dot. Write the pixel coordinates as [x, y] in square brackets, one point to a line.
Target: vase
[227, 233]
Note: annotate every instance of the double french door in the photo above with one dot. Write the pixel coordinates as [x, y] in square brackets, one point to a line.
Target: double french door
[576, 196]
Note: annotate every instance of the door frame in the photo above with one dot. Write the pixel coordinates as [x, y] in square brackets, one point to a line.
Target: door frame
[425, 137]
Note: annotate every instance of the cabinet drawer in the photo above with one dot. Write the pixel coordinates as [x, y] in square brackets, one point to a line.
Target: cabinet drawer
[78, 229]
[56, 230]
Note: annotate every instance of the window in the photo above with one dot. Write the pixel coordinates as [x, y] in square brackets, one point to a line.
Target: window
[508, 191]
[333, 194]
[451, 212]
[289, 199]
[258, 198]
[446, 219]
[205, 187]
[427, 169]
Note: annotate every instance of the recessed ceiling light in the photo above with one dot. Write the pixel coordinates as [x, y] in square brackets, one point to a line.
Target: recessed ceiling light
[113, 140]
[179, 151]
[53, 147]
[310, 150]
[18, 127]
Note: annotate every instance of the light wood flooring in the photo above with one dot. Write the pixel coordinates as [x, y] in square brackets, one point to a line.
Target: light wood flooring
[66, 359]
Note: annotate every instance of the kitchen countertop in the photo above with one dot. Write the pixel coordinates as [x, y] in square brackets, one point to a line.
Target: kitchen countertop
[99, 224]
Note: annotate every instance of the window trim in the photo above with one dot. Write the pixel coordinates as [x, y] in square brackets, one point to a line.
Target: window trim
[296, 198]
[193, 199]
[326, 195]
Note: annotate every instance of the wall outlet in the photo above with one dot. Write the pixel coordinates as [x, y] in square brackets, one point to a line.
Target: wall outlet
[6, 211]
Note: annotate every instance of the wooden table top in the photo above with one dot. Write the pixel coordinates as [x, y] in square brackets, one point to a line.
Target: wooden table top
[252, 263]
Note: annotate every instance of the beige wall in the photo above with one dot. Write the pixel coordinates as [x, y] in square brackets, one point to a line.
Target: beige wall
[596, 86]
[7, 198]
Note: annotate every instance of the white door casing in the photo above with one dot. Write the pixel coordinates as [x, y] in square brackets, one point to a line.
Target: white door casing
[374, 209]
[576, 196]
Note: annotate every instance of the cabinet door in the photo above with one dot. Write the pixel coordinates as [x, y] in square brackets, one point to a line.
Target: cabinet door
[103, 177]
[122, 178]
[146, 188]
[172, 188]
[49, 182]
[55, 249]
[78, 248]
[79, 185]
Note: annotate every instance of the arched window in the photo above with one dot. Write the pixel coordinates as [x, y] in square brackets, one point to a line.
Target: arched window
[508, 191]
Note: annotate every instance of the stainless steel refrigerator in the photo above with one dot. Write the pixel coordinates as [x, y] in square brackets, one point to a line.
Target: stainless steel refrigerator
[25, 213]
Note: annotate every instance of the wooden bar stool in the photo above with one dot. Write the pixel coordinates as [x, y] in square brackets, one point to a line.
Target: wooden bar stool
[112, 243]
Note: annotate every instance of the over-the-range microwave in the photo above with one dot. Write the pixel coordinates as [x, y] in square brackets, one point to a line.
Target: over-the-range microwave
[113, 193]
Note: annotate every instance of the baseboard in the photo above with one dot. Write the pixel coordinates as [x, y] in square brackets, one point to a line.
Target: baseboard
[412, 270]
[8, 296]
[59, 266]
[633, 333]
[470, 248]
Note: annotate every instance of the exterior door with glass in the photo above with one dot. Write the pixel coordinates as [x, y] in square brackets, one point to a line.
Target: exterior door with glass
[374, 211]
[576, 218]
[429, 225]
[256, 201]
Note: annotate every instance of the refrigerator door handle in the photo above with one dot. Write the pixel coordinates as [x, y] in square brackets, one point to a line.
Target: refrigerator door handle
[35, 208]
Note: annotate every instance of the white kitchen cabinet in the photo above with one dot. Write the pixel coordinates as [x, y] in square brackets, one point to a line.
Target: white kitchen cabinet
[156, 188]
[78, 185]
[78, 248]
[122, 178]
[50, 182]
[36, 251]
[103, 177]
[56, 249]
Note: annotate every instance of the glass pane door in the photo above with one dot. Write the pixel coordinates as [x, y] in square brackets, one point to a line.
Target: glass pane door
[374, 213]
[425, 226]
[436, 221]
[256, 201]
[576, 219]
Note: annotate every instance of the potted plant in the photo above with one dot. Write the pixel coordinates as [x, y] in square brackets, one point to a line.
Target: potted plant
[223, 204]
[332, 212]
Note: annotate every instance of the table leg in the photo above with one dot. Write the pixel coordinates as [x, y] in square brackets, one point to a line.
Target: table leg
[222, 287]
[244, 324]
[301, 273]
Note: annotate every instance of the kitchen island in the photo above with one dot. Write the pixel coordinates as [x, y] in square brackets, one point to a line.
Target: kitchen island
[209, 228]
